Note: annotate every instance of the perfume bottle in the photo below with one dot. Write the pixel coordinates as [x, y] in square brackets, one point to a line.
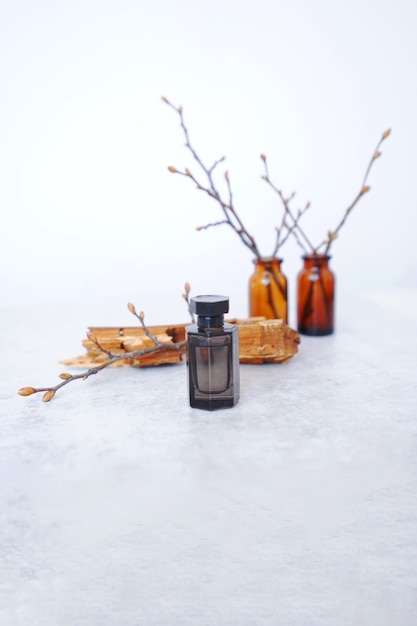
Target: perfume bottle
[213, 355]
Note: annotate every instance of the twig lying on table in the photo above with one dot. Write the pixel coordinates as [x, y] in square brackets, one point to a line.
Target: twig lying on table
[66, 378]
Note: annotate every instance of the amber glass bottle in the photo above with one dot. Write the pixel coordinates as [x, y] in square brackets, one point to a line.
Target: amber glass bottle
[315, 304]
[268, 290]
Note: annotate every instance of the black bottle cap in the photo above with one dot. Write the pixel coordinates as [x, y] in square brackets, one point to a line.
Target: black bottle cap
[208, 306]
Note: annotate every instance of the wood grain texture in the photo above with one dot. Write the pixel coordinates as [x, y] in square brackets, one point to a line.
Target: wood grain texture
[260, 341]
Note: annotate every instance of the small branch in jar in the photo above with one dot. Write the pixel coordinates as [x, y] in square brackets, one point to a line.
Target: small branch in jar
[317, 285]
[229, 211]
[291, 230]
[271, 302]
[288, 214]
[332, 235]
[325, 298]
[282, 291]
[308, 305]
[311, 299]
[298, 241]
[206, 226]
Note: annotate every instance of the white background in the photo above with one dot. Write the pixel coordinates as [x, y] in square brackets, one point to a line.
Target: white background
[90, 214]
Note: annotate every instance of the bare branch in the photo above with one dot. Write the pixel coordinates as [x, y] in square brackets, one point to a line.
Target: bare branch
[186, 296]
[332, 235]
[229, 211]
[215, 164]
[66, 378]
[212, 224]
[290, 223]
[287, 213]
[291, 230]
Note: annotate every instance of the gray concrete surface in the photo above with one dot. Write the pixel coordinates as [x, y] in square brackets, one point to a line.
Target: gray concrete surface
[121, 506]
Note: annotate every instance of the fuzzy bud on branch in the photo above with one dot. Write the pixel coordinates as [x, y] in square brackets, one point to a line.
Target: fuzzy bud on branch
[26, 391]
[48, 395]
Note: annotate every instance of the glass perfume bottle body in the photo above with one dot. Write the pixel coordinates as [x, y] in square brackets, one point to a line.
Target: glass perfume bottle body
[213, 360]
[213, 357]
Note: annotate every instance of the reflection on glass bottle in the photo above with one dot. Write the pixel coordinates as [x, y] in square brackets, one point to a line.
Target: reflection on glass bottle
[213, 355]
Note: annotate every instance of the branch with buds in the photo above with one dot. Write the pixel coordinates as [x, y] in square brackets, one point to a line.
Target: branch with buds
[66, 378]
[186, 296]
[231, 217]
[294, 226]
[290, 223]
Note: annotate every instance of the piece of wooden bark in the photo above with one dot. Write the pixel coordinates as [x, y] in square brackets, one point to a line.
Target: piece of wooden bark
[266, 341]
[260, 341]
[118, 340]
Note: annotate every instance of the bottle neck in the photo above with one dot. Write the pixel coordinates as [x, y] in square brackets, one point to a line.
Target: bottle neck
[267, 263]
[316, 260]
[210, 321]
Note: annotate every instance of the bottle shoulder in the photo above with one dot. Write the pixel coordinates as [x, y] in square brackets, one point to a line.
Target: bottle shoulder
[227, 329]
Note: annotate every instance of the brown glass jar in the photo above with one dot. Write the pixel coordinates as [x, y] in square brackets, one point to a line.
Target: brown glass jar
[268, 295]
[315, 303]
